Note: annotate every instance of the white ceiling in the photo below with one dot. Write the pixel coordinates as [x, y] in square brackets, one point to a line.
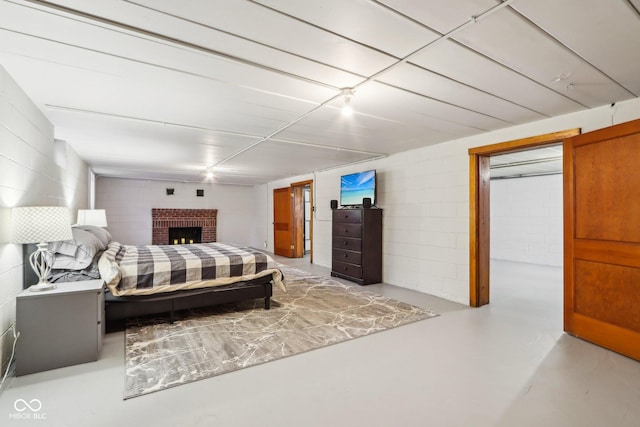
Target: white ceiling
[165, 89]
[534, 162]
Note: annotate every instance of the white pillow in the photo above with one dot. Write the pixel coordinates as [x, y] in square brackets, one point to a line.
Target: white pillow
[87, 246]
[67, 247]
[99, 232]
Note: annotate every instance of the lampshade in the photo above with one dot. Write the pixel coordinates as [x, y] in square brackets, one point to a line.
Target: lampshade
[97, 217]
[36, 224]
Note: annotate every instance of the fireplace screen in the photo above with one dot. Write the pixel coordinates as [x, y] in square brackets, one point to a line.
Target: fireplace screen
[185, 235]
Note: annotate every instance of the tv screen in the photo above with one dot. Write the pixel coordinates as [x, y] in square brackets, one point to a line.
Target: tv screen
[356, 186]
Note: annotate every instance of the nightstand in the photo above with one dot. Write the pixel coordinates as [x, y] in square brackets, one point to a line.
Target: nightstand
[60, 327]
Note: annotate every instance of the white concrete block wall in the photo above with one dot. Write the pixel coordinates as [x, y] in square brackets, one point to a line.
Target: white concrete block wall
[128, 204]
[526, 220]
[29, 176]
[425, 197]
[424, 194]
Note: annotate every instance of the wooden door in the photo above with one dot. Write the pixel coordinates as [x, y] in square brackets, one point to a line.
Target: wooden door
[602, 237]
[282, 222]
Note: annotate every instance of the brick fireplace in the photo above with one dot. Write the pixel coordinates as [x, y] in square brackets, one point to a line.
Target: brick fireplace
[163, 219]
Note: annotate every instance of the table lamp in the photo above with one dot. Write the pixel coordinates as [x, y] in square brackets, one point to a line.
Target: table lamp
[41, 224]
[97, 217]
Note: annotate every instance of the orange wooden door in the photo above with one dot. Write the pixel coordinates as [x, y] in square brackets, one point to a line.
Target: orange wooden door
[602, 237]
[282, 222]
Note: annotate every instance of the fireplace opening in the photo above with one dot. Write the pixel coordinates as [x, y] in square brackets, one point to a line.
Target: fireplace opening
[185, 235]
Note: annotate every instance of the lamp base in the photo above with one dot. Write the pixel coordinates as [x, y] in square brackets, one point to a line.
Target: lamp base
[41, 261]
[46, 286]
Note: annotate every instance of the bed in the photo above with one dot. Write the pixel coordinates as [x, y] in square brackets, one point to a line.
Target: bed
[158, 279]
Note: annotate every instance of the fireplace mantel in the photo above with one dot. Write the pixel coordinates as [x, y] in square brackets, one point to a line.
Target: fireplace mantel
[162, 219]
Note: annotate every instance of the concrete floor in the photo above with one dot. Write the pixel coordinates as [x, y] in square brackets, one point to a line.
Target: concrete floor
[506, 364]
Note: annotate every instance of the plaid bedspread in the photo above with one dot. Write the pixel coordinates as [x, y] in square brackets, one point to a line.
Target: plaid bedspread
[144, 270]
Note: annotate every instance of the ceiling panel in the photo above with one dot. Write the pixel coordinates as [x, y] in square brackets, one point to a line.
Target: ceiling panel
[145, 172]
[607, 34]
[509, 39]
[254, 22]
[450, 91]
[472, 68]
[68, 41]
[105, 139]
[441, 15]
[237, 110]
[366, 133]
[384, 101]
[361, 21]
[267, 158]
[193, 37]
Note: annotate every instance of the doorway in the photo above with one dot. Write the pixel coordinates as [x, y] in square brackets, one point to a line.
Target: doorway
[293, 220]
[479, 207]
[303, 219]
[308, 208]
[526, 236]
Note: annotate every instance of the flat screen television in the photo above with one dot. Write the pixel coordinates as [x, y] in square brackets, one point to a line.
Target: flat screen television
[356, 186]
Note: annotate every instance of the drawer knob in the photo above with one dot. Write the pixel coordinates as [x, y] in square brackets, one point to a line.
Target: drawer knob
[346, 268]
[346, 256]
[346, 243]
[346, 230]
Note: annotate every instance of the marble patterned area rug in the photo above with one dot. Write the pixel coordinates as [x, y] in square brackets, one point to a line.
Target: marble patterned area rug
[314, 312]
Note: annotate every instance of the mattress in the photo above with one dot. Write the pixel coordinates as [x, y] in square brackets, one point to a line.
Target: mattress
[152, 269]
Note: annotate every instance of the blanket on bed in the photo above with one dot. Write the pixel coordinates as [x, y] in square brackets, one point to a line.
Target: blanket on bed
[145, 270]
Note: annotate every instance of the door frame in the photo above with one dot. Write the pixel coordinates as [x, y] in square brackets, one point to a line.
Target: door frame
[479, 210]
[298, 209]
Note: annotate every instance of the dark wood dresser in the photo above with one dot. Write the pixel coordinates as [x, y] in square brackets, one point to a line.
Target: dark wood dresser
[357, 245]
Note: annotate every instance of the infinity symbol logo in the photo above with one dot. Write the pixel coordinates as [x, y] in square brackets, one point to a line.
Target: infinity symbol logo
[22, 405]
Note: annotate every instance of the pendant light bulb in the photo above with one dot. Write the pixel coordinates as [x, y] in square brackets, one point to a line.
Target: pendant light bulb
[347, 109]
[347, 95]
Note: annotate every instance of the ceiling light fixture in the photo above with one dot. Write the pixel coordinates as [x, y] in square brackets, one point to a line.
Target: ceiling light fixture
[347, 95]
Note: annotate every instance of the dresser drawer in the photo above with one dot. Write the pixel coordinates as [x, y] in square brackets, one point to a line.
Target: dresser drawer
[346, 229]
[350, 270]
[347, 215]
[350, 257]
[347, 243]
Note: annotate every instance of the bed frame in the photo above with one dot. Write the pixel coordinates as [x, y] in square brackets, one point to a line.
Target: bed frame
[118, 309]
